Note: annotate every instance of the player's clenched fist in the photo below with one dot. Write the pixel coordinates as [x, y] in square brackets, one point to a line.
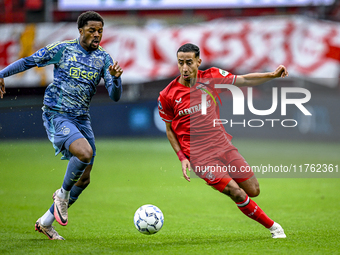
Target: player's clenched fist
[281, 71]
[115, 70]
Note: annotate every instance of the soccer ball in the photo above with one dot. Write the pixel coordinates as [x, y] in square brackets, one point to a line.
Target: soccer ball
[148, 219]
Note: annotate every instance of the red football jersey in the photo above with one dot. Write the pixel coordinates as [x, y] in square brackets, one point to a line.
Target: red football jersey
[182, 107]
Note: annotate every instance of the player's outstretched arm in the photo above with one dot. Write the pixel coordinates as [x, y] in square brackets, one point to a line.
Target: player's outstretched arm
[177, 148]
[18, 66]
[254, 79]
[2, 88]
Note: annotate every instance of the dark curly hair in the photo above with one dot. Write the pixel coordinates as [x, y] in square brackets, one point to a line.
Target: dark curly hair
[89, 16]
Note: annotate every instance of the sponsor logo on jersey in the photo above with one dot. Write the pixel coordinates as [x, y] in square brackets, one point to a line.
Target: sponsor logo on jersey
[223, 72]
[76, 73]
[40, 53]
[193, 109]
[98, 63]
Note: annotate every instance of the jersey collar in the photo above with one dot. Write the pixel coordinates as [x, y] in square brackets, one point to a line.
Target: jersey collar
[82, 49]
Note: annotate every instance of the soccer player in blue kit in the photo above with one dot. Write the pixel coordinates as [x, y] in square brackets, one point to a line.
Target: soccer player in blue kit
[79, 65]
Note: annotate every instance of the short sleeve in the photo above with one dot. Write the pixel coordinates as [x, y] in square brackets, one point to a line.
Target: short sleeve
[165, 111]
[224, 77]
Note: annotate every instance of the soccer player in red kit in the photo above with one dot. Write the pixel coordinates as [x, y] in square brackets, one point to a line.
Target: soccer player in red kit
[205, 147]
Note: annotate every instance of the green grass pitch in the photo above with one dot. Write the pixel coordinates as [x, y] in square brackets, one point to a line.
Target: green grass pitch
[198, 220]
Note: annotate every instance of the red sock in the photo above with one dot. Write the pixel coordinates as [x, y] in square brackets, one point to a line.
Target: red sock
[253, 211]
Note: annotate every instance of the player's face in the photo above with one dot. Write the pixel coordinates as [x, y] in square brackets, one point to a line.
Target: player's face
[188, 66]
[91, 35]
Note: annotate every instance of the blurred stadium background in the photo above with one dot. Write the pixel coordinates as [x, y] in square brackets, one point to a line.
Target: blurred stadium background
[240, 36]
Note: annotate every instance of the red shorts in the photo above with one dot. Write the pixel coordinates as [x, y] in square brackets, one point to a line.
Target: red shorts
[219, 171]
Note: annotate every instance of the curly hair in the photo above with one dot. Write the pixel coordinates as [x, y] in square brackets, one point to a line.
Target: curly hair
[89, 16]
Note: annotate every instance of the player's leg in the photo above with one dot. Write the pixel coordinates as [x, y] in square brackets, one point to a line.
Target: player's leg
[62, 132]
[44, 224]
[82, 150]
[250, 208]
[245, 179]
[80, 185]
[84, 180]
[48, 218]
[82, 155]
[246, 205]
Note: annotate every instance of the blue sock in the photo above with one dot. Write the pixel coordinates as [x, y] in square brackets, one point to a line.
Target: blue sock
[75, 169]
[74, 194]
[52, 209]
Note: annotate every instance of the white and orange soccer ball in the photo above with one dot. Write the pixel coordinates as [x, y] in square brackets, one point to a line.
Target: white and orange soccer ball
[148, 219]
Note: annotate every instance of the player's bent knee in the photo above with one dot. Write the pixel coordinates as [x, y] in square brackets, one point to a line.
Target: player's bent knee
[82, 150]
[254, 192]
[235, 193]
[251, 187]
[238, 195]
[85, 155]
